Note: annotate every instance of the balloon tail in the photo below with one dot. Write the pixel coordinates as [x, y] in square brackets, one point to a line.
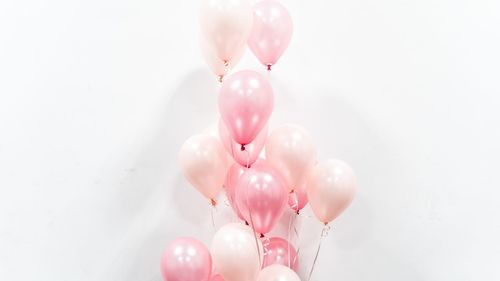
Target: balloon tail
[324, 233]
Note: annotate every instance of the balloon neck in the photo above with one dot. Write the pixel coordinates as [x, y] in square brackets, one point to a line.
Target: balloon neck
[213, 202]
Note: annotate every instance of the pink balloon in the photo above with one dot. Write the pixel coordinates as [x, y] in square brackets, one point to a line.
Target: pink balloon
[276, 252]
[217, 277]
[261, 196]
[271, 32]
[186, 259]
[252, 150]
[297, 200]
[233, 176]
[330, 189]
[245, 104]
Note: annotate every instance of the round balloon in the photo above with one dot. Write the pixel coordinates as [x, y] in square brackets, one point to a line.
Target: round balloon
[271, 32]
[226, 25]
[291, 150]
[234, 253]
[330, 189]
[186, 259]
[245, 103]
[261, 196]
[204, 164]
[277, 273]
[279, 251]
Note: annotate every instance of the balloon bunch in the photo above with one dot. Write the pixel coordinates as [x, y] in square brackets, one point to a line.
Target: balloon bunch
[259, 189]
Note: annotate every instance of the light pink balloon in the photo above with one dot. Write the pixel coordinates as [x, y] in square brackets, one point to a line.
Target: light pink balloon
[276, 252]
[204, 164]
[234, 252]
[277, 273]
[271, 32]
[291, 150]
[218, 66]
[252, 150]
[186, 259]
[245, 103]
[261, 196]
[226, 25]
[330, 189]
[297, 200]
[233, 176]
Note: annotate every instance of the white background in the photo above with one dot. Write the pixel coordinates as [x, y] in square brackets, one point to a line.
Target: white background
[96, 98]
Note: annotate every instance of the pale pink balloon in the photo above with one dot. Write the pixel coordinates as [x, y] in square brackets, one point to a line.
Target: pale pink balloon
[252, 150]
[277, 273]
[271, 32]
[245, 103]
[291, 150]
[330, 189]
[219, 67]
[204, 164]
[232, 178]
[234, 252]
[261, 196]
[276, 251]
[186, 259]
[297, 200]
[226, 25]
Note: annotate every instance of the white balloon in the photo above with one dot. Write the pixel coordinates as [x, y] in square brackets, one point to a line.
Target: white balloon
[226, 26]
[234, 253]
[278, 272]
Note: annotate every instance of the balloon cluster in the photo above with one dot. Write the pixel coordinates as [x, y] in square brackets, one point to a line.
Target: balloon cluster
[259, 189]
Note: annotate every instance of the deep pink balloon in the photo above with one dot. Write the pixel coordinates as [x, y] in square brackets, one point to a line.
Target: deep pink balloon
[245, 103]
[186, 259]
[276, 252]
[261, 196]
[271, 31]
[297, 200]
[252, 150]
[232, 178]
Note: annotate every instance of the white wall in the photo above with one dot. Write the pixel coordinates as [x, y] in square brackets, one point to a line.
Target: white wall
[96, 98]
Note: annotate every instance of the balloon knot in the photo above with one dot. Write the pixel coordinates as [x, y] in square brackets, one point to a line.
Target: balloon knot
[246, 223]
[269, 67]
[243, 147]
[262, 235]
[213, 202]
[220, 78]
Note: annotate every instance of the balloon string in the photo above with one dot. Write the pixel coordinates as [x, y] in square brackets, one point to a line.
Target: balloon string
[324, 233]
[250, 211]
[292, 217]
[212, 210]
[297, 238]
